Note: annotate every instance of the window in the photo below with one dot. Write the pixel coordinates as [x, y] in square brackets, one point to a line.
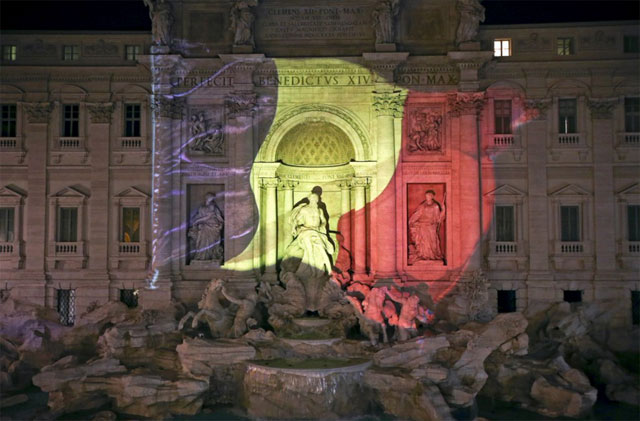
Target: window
[502, 113]
[501, 47]
[67, 225]
[7, 233]
[131, 52]
[71, 120]
[70, 52]
[633, 223]
[567, 111]
[129, 297]
[130, 225]
[635, 307]
[132, 120]
[8, 120]
[632, 115]
[505, 223]
[631, 44]
[570, 223]
[564, 46]
[572, 296]
[506, 301]
[9, 52]
[67, 306]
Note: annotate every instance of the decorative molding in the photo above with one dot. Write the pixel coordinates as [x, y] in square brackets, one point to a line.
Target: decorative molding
[599, 41]
[389, 103]
[241, 104]
[533, 43]
[100, 113]
[536, 109]
[270, 182]
[466, 103]
[101, 48]
[39, 48]
[168, 107]
[602, 108]
[360, 181]
[38, 112]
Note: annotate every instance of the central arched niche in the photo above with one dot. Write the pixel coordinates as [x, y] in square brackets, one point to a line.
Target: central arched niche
[315, 143]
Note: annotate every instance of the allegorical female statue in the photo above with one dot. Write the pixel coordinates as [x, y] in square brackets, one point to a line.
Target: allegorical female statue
[424, 229]
[471, 14]
[383, 15]
[162, 20]
[242, 22]
[205, 232]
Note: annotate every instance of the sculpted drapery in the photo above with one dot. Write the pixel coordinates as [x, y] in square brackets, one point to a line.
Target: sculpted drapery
[206, 231]
[424, 229]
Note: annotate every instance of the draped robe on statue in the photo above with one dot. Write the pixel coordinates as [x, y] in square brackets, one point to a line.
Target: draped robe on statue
[424, 227]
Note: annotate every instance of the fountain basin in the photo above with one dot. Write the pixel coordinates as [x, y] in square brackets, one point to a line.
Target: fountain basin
[311, 388]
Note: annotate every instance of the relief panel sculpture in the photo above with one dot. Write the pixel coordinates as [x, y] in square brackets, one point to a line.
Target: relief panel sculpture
[426, 206]
[205, 140]
[425, 131]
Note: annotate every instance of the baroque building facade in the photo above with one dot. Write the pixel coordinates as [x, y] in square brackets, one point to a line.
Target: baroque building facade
[148, 164]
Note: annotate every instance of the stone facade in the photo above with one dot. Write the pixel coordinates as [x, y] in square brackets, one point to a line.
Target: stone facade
[309, 98]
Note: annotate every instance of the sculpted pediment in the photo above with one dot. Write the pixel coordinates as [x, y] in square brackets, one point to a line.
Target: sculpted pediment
[71, 192]
[570, 190]
[632, 191]
[506, 190]
[133, 192]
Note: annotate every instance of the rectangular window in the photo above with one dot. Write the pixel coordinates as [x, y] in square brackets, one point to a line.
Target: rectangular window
[67, 306]
[132, 120]
[632, 115]
[502, 113]
[70, 52]
[7, 229]
[71, 120]
[567, 112]
[502, 47]
[8, 120]
[635, 307]
[570, 223]
[131, 52]
[505, 223]
[572, 296]
[130, 225]
[67, 225]
[129, 297]
[631, 44]
[506, 301]
[564, 46]
[9, 52]
[633, 223]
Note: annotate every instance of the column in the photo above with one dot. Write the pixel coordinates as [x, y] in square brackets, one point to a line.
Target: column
[344, 225]
[387, 105]
[359, 248]
[270, 229]
[284, 233]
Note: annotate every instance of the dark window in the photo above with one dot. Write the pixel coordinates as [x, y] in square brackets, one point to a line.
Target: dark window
[631, 44]
[506, 301]
[502, 112]
[70, 52]
[67, 225]
[633, 223]
[8, 123]
[6, 225]
[505, 223]
[573, 296]
[570, 223]
[632, 115]
[132, 120]
[567, 111]
[67, 306]
[564, 46]
[70, 120]
[129, 297]
[130, 225]
[131, 52]
[635, 307]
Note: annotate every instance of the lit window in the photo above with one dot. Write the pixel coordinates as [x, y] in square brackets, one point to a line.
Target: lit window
[506, 301]
[569, 223]
[9, 52]
[130, 225]
[631, 44]
[633, 223]
[71, 120]
[132, 120]
[505, 224]
[632, 115]
[567, 111]
[71, 52]
[67, 306]
[502, 113]
[8, 120]
[131, 52]
[67, 225]
[7, 233]
[502, 47]
[564, 46]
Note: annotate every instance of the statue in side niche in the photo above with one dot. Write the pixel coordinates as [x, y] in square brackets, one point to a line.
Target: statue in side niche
[242, 19]
[471, 14]
[162, 20]
[424, 229]
[205, 232]
[384, 15]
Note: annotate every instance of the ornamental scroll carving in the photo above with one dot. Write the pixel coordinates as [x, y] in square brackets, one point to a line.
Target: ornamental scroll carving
[389, 103]
[101, 48]
[100, 113]
[241, 104]
[168, 107]
[602, 108]
[466, 103]
[536, 109]
[425, 131]
[38, 113]
[39, 48]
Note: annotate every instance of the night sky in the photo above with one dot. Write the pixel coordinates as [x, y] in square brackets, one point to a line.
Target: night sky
[132, 14]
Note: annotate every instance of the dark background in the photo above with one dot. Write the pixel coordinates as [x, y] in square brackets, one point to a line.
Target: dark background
[132, 14]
